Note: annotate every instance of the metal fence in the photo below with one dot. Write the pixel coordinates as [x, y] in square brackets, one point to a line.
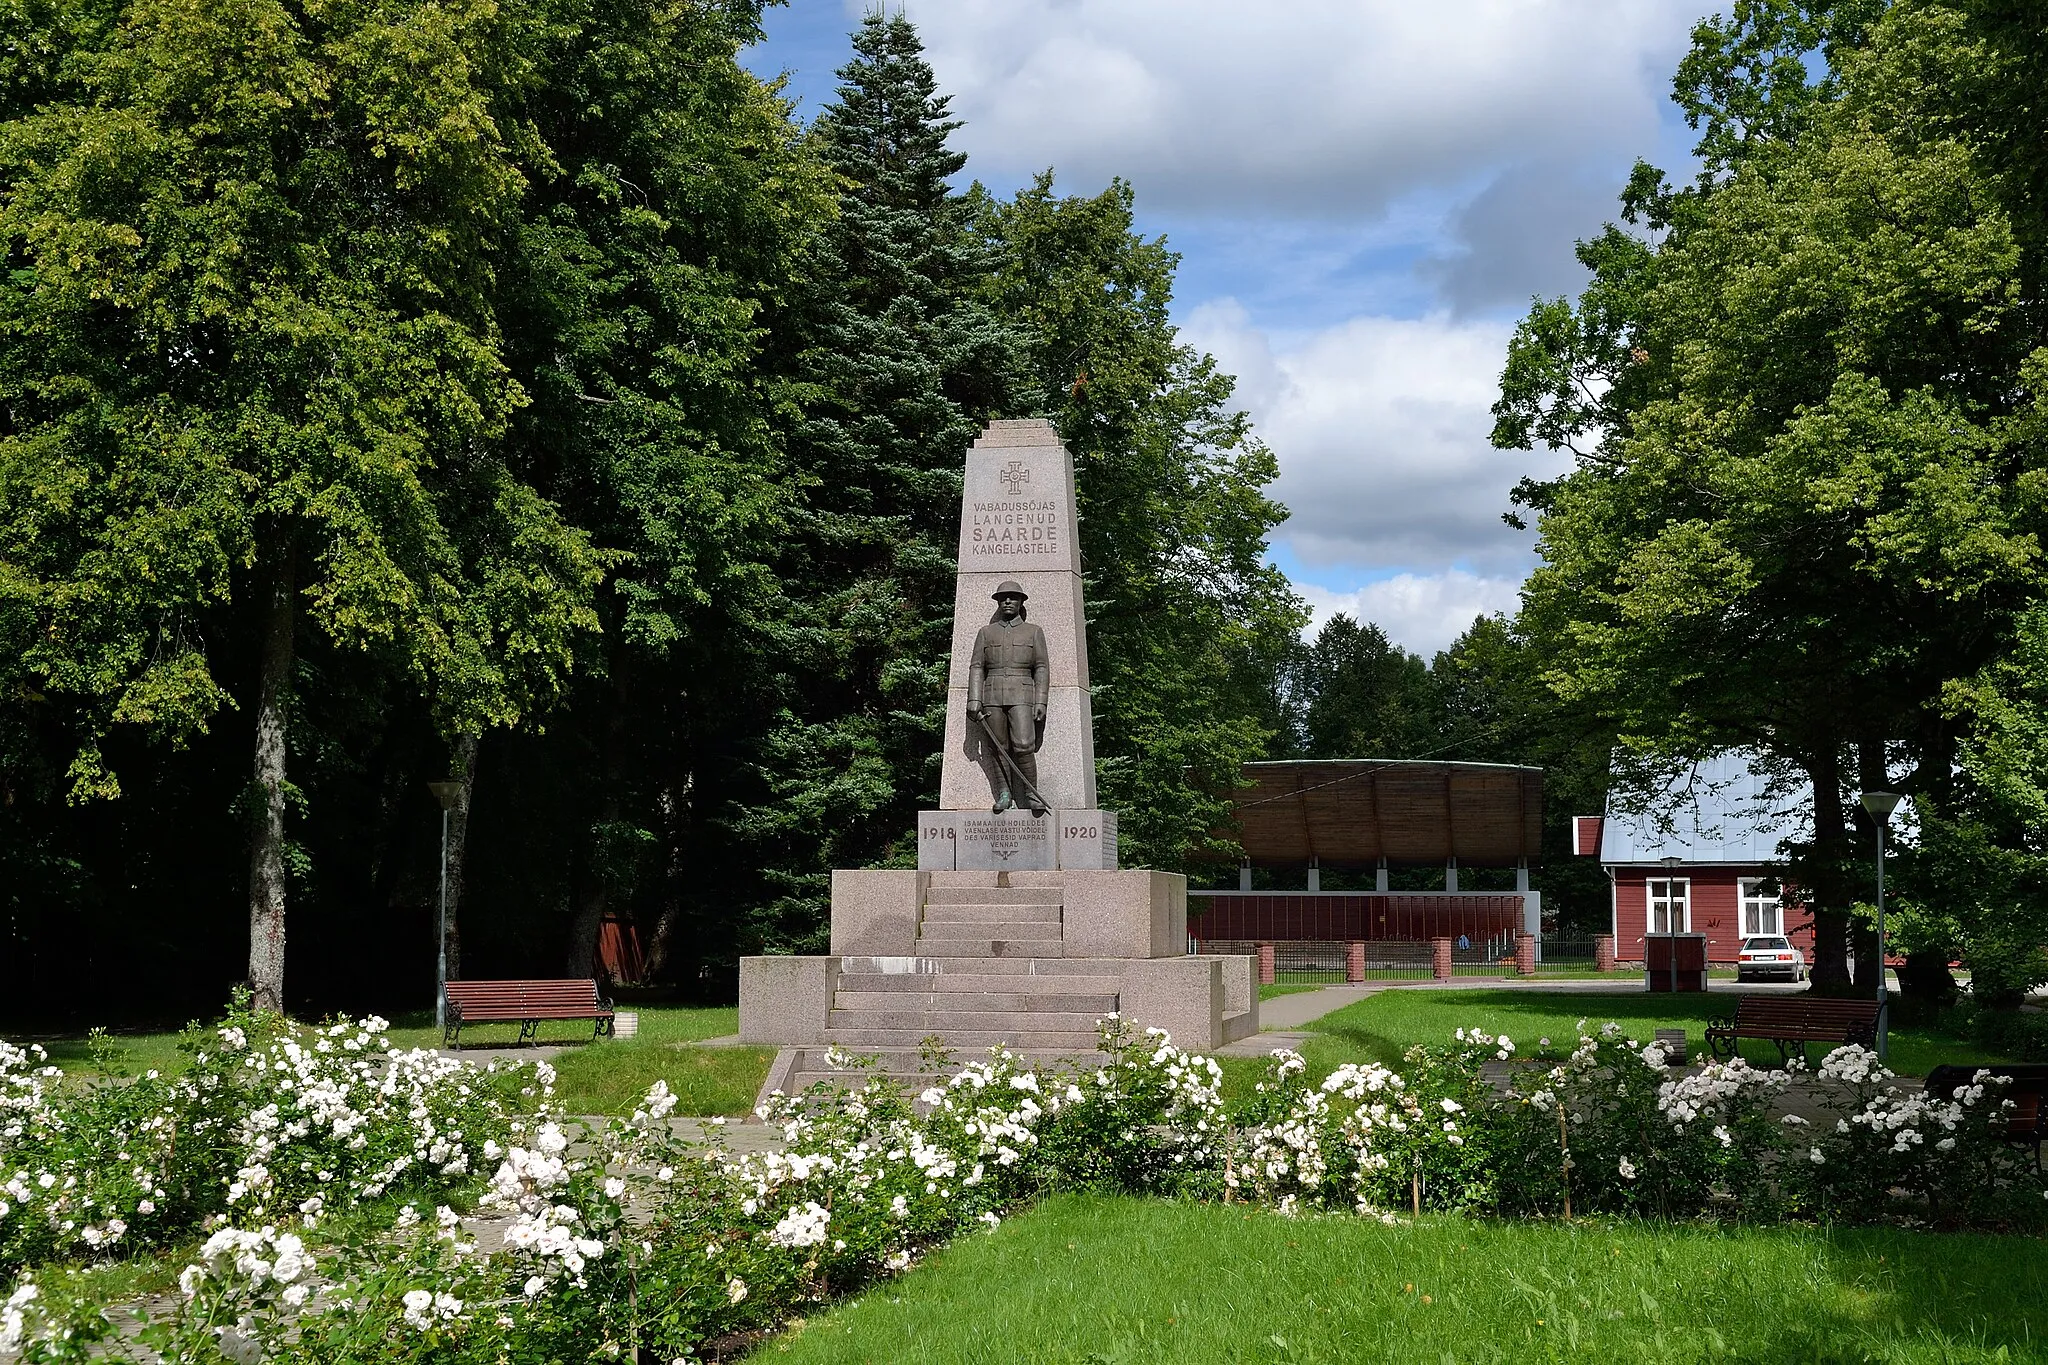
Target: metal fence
[1565, 955]
[1493, 956]
[1322, 962]
[1344, 916]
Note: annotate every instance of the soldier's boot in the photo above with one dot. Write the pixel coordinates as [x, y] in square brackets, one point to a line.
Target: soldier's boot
[1003, 801]
[1027, 764]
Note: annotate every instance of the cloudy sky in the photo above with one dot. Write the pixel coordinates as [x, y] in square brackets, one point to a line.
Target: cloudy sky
[1365, 193]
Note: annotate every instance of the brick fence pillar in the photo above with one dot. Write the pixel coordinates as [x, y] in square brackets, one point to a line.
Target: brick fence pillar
[1440, 959]
[1603, 953]
[1265, 964]
[1354, 962]
[1525, 954]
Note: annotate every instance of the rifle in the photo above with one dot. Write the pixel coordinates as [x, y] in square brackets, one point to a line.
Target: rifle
[1016, 773]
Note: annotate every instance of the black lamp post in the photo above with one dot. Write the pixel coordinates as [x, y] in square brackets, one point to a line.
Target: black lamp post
[1881, 805]
[1671, 865]
[449, 794]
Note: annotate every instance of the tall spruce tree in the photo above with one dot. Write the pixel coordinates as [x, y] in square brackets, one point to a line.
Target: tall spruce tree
[904, 362]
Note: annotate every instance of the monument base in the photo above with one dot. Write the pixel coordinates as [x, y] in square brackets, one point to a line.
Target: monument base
[1015, 841]
[1029, 960]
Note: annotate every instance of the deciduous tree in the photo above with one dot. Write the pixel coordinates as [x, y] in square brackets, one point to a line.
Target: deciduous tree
[249, 355]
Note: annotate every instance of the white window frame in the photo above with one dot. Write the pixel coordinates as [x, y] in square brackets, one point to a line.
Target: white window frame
[1770, 910]
[1677, 892]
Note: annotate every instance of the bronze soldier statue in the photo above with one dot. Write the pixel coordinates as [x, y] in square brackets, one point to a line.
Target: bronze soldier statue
[1008, 673]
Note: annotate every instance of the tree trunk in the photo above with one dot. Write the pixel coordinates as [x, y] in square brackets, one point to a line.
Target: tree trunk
[596, 896]
[1872, 774]
[464, 760]
[1830, 902]
[1925, 977]
[674, 809]
[266, 844]
[590, 908]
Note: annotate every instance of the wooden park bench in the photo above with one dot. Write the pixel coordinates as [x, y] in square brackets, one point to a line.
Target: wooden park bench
[1791, 1020]
[527, 1003]
[2027, 1125]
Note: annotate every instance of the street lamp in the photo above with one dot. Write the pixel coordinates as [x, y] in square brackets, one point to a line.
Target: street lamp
[1672, 862]
[1881, 805]
[450, 795]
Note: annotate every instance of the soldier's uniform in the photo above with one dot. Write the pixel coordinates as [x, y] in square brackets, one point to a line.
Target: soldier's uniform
[1009, 674]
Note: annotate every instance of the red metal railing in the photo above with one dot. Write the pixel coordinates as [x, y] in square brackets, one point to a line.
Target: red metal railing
[1354, 917]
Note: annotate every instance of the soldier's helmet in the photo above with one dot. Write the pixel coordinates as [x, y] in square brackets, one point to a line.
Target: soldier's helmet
[1009, 588]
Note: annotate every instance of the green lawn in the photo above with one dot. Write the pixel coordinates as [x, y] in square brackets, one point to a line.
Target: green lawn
[605, 1077]
[1280, 988]
[611, 1077]
[1087, 1281]
[1382, 1027]
[132, 1053]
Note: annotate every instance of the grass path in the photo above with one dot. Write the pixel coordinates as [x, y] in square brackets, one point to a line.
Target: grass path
[1089, 1281]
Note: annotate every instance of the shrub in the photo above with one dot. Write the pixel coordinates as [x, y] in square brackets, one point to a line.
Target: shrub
[270, 1123]
[1895, 1153]
[634, 1244]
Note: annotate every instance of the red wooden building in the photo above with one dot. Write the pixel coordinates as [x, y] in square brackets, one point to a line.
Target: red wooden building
[1703, 862]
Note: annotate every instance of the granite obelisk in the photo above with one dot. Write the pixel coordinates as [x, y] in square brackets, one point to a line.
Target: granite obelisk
[1018, 523]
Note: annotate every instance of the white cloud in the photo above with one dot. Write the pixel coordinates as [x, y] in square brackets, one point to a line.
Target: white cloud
[1380, 427]
[1422, 613]
[1318, 108]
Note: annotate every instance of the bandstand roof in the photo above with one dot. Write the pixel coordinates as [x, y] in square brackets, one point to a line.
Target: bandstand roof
[1351, 812]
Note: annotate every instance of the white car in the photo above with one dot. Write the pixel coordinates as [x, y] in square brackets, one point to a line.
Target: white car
[1769, 958]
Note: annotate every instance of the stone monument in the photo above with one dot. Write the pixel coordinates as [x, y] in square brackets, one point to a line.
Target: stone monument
[1017, 926]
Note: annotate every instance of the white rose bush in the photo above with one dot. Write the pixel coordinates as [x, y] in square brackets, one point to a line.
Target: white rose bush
[269, 1124]
[628, 1242]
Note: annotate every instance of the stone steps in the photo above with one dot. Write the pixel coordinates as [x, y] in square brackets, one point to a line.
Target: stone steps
[1056, 1039]
[941, 930]
[990, 947]
[876, 968]
[952, 1022]
[993, 895]
[1076, 1002]
[972, 982]
[1005, 913]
